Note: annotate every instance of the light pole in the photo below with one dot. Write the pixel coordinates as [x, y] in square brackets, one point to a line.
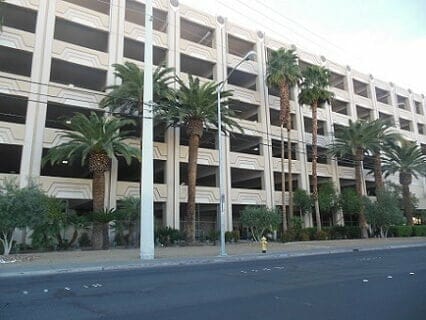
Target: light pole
[147, 183]
[249, 56]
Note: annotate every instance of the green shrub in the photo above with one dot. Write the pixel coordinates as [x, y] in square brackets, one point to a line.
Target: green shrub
[312, 233]
[84, 240]
[322, 235]
[229, 236]
[202, 237]
[352, 232]
[120, 239]
[304, 235]
[419, 231]
[213, 236]
[236, 235]
[169, 236]
[289, 235]
[337, 232]
[260, 220]
[401, 231]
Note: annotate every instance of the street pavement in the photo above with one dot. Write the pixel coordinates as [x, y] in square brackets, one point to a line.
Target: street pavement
[376, 284]
[120, 259]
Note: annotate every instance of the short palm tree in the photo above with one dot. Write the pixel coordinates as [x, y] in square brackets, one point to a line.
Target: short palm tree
[127, 97]
[194, 107]
[409, 161]
[356, 140]
[284, 72]
[93, 141]
[314, 92]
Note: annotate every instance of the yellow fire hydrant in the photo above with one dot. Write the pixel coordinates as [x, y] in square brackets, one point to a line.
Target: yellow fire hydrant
[264, 244]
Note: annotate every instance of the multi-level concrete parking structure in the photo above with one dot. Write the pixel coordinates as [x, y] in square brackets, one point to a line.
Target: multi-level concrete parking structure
[56, 58]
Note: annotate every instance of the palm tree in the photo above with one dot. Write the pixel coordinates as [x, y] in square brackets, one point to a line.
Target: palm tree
[356, 140]
[94, 141]
[127, 97]
[193, 107]
[408, 159]
[314, 93]
[283, 72]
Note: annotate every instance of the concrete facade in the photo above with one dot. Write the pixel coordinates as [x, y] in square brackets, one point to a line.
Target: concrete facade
[56, 59]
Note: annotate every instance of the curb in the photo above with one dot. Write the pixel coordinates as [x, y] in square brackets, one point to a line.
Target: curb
[200, 261]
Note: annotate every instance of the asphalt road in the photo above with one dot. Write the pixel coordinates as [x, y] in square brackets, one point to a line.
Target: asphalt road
[389, 284]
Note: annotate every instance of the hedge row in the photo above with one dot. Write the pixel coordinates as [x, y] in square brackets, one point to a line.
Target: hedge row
[348, 232]
[407, 231]
[327, 233]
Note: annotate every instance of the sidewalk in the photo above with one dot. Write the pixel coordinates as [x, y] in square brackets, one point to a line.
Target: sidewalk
[119, 259]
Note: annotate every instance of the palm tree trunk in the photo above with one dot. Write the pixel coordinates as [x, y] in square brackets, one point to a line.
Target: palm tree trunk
[378, 175]
[405, 180]
[189, 226]
[98, 191]
[358, 183]
[284, 119]
[314, 107]
[283, 180]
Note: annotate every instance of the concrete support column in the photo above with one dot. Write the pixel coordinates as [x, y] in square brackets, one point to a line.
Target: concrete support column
[172, 216]
[268, 171]
[37, 105]
[338, 218]
[394, 103]
[221, 74]
[115, 49]
[374, 98]
[301, 154]
[352, 105]
[413, 111]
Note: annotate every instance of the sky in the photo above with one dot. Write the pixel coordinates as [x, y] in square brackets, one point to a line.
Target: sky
[385, 38]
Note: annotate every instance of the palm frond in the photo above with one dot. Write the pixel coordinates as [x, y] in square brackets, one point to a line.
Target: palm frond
[127, 97]
[406, 158]
[197, 100]
[92, 134]
[282, 68]
[316, 79]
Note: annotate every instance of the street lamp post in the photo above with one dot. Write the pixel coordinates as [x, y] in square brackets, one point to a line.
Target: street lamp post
[147, 194]
[249, 56]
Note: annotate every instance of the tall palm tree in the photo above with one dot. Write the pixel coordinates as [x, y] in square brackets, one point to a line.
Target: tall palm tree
[127, 97]
[194, 107]
[356, 140]
[408, 160]
[93, 141]
[314, 92]
[284, 72]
